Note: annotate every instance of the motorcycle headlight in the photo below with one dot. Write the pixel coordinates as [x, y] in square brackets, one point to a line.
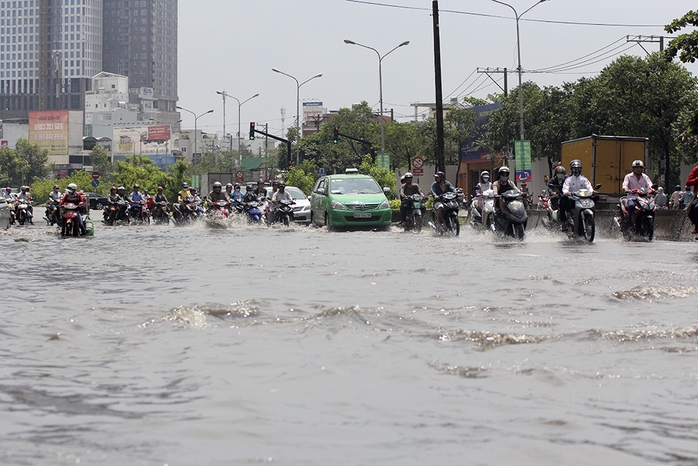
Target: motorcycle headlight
[336, 205]
[384, 205]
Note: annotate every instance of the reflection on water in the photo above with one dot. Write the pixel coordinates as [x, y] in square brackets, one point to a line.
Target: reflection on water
[163, 345]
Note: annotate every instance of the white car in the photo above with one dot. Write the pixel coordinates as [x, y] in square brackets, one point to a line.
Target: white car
[301, 208]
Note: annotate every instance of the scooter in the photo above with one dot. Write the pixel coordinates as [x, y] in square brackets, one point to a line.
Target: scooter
[23, 213]
[159, 212]
[69, 214]
[283, 212]
[513, 219]
[220, 208]
[643, 217]
[139, 212]
[582, 222]
[52, 214]
[187, 211]
[253, 211]
[481, 214]
[449, 215]
[413, 214]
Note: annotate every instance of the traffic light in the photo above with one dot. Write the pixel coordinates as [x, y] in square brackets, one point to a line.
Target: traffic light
[335, 138]
[251, 130]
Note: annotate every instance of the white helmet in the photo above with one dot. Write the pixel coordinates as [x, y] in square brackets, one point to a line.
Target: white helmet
[638, 163]
[72, 187]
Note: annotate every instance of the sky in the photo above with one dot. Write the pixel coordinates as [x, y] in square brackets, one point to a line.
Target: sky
[232, 46]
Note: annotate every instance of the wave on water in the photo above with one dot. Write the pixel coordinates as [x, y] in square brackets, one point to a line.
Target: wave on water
[466, 372]
[489, 340]
[648, 334]
[655, 292]
[197, 316]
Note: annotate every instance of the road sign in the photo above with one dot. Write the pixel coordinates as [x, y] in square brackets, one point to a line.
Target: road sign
[239, 176]
[383, 160]
[95, 182]
[418, 166]
[95, 175]
[321, 171]
[522, 151]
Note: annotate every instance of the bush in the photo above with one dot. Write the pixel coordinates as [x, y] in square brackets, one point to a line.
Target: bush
[41, 189]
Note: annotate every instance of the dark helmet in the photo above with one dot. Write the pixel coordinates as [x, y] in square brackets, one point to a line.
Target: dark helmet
[560, 169]
[275, 183]
[217, 186]
[185, 185]
[440, 174]
[260, 181]
[678, 187]
[503, 171]
[237, 186]
[281, 184]
[249, 187]
[576, 167]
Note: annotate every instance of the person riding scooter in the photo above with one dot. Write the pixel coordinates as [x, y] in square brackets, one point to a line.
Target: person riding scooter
[26, 197]
[632, 184]
[73, 196]
[439, 187]
[573, 183]
[502, 185]
[407, 189]
[555, 186]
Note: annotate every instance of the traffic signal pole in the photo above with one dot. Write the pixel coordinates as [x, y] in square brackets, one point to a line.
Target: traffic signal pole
[254, 130]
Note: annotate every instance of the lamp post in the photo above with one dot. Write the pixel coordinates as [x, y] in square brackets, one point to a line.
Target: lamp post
[518, 52]
[298, 110]
[196, 118]
[380, 79]
[240, 104]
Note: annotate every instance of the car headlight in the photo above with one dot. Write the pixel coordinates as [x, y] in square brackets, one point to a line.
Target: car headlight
[336, 205]
[384, 205]
[305, 208]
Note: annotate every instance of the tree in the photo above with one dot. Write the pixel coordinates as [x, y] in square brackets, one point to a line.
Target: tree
[303, 177]
[684, 45]
[102, 163]
[384, 177]
[12, 167]
[35, 157]
[138, 169]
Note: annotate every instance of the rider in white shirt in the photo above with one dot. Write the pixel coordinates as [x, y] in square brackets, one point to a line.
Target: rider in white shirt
[633, 182]
[573, 183]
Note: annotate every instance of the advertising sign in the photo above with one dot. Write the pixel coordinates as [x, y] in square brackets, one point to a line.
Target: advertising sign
[383, 160]
[522, 151]
[142, 140]
[49, 130]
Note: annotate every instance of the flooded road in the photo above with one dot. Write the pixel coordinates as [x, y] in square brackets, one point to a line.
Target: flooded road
[189, 346]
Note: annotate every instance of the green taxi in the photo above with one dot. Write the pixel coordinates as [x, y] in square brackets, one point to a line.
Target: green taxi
[349, 200]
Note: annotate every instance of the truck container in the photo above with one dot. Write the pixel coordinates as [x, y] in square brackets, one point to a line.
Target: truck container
[606, 159]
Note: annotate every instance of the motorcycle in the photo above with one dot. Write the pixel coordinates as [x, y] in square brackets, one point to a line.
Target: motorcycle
[220, 208]
[481, 213]
[69, 214]
[116, 212]
[449, 215]
[283, 212]
[582, 222]
[159, 212]
[513, 218]
[642, 223]
[23, 214]
[253, 211]
[52, 214]
[139, 212]
[186, 212]
[413, 212]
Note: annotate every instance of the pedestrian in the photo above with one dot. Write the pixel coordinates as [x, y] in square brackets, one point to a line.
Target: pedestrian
[675, 198]
[692, 205]
[660, 199]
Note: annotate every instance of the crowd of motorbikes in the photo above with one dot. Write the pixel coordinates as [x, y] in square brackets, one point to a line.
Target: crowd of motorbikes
[194, 209]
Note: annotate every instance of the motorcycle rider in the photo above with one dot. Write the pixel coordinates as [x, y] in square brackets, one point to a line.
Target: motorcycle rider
[159, 197]
[660, 199]
[279, 195]
[686, 198]
[25, 196]
[73, 196]
[675, 198]
[137, 199]
[407, 189]
[229, 191]
[250, 195]
[573, 183]
[502, 185]
[439, 187]
[555, 186]
[217, 194]
[484, 183]
[261, 191]
[184, 193]
[114, 199]
[236, 195]
[54, 198]
[632, 183]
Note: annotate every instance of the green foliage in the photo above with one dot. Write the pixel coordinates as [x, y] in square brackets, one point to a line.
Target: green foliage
[139, 169]
[384, 177]
[684, 45]
[102, 164]
[36, 159]
[41, 189]
[303, 177]
[11, 167]
[395, 205]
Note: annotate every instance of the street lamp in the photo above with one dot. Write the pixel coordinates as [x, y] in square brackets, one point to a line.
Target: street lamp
[195, 120]
[380, 79]
[518, 51]
[298, 110]
[224, 94]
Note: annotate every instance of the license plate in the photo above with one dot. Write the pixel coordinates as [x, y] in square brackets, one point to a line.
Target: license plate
[362, 215]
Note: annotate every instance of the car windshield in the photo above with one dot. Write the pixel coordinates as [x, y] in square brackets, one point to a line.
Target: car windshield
[295, 192]
[354, 186]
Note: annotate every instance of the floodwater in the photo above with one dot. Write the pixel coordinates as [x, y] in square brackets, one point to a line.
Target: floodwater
[299, 346]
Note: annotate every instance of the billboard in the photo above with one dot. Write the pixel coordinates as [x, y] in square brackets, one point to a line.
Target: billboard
[312, 110]
[49, 129]
[142, 140]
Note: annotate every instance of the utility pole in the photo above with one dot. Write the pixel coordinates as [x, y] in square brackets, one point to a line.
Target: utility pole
[440, 156]
[651, 39]
[490, 71]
